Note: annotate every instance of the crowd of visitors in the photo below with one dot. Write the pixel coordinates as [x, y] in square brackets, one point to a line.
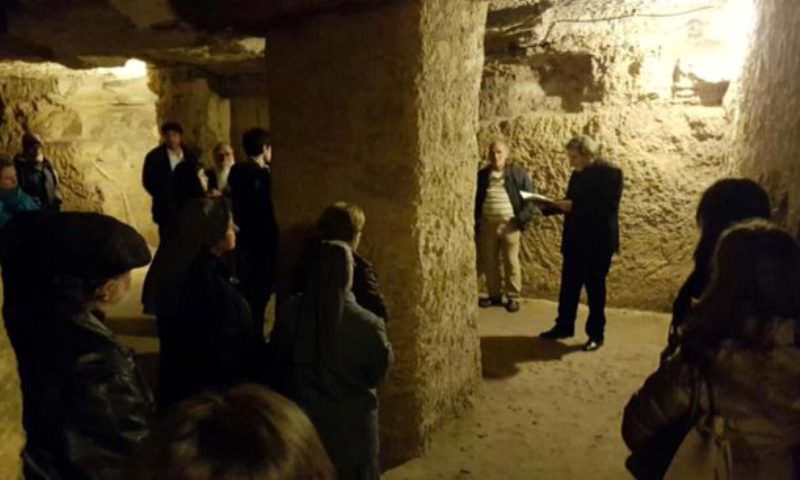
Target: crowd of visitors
[300, 401]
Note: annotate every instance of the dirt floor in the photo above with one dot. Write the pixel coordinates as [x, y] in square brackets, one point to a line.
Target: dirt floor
[546, 410]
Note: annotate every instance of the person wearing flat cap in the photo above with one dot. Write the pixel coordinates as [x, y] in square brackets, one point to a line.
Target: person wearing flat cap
[213, 342]
[86, 408]
[36, 175]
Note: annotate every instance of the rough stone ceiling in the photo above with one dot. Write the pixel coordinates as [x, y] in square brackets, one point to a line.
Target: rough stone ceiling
[221, 36]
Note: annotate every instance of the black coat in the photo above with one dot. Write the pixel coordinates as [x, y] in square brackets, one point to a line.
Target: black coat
[86, 407]
[251, 195]
[592, 227]
[213, 342]
[517, 180]
[157, 180]
[39, 180]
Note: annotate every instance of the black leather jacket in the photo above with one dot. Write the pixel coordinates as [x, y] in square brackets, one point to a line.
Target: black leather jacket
[86, 407]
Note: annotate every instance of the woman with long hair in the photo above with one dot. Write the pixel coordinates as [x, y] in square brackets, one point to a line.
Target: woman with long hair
[335, 354]
[740, 339]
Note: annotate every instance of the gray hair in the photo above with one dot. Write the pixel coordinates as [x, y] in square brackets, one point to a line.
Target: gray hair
[584, 144]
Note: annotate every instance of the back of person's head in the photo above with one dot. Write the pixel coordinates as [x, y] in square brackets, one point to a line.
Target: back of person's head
[30, 140]
[341, 221]
[725, 203]
[248, 433]
[328, 278]
[216, 220]
[187, 183]
[171, 126]
[754, 282]
[254, 141]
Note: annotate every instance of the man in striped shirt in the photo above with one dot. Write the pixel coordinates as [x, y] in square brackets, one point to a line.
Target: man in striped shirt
[500, 217]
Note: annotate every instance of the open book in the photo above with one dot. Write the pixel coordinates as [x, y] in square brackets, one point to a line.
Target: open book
[535, 197]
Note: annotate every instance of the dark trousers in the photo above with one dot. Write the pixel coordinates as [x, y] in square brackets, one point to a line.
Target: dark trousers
[254, 268]
[579, 270]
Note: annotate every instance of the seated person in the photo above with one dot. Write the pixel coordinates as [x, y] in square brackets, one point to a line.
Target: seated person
[248, 432]
[12, 198]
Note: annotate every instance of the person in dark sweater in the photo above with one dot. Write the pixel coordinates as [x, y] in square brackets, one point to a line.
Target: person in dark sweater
[36, 175]
[213, 339]
[250, 183]
[12, 199]
[159, 164]
[500, 217]
[724, 204]
[589, 240]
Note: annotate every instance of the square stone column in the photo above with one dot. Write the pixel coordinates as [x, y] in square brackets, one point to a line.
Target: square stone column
[380, 108]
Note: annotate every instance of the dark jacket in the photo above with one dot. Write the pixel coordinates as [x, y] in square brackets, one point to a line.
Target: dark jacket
[592, 227]
[39, 180]
[755, 391]
[516, 180]
[213, 182]
[213, 343]
[341, 400]
[86, 407]
[157, 180]
[251, 194]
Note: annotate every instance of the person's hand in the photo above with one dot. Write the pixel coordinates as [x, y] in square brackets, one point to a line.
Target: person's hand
[506, 228]
[563, 205]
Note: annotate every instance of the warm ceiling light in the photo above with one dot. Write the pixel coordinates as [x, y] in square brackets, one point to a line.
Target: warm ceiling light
[133, 68]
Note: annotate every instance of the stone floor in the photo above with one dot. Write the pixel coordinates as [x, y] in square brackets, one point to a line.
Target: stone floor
[545, 410]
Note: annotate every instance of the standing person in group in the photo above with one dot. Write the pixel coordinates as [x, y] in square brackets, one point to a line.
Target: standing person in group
[589, 240]
[36, 175]
[214, 342]
[86, 408]
[736, 362]
[335, 354]
[220, 169]
[157, 175]
[724, 204]
[250, 183]
[12, 199]
[501, 215]
[344, 222]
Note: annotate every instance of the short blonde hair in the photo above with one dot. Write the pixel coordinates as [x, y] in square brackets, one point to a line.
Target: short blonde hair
[584, 144]
[341, 221]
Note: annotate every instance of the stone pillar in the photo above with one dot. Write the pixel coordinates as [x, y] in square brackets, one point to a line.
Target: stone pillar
[249, 105]
[380, 108]
[186, 96]
[768, 147]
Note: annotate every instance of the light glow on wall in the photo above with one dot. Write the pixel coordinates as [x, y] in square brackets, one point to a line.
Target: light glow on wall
[721, 48]
[133, 68]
